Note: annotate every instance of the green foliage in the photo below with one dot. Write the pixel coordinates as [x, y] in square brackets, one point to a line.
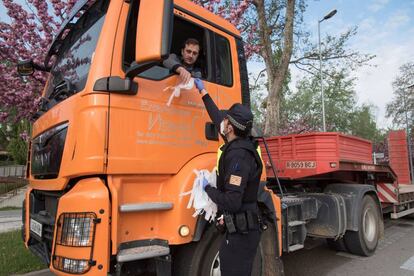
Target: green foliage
[14, 257]
[10, 208]
[6, 187]
[13, 137]
[306, 103]
[302, 110]
[303, 105]
[364, 125]
[18, 150]
[259, 86]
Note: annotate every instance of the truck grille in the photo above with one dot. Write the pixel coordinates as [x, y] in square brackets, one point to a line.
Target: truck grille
[43, 207]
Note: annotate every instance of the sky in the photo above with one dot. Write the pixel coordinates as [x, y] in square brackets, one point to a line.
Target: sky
[385, 29]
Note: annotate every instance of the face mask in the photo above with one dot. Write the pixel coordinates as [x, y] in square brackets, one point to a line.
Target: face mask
[222, 128]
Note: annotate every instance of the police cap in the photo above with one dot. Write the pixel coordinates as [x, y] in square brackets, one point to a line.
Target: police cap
[240, 117]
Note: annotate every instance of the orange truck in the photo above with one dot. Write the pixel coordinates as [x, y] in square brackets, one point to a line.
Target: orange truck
[109, 159]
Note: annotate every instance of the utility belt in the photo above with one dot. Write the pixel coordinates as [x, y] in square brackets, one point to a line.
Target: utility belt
[242, 222]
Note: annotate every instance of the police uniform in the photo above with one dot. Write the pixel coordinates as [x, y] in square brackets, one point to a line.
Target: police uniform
[239, 171]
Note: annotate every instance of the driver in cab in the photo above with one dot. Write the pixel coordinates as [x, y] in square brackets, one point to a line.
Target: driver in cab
[185, 64]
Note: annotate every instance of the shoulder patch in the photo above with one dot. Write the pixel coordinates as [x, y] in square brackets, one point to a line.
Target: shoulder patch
[235, 180]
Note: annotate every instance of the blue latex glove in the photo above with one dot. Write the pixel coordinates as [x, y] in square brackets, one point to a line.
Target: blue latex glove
[205, 183]
[199, 84]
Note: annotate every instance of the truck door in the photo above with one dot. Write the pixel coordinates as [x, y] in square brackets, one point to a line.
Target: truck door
[145, 135]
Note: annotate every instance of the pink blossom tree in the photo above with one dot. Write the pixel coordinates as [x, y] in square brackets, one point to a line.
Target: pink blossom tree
[239, 13]
[26, 34]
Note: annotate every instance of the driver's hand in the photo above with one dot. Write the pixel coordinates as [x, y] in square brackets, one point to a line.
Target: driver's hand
[185, 76]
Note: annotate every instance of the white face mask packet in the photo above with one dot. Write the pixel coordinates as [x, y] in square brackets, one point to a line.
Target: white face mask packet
[222, 128]
[177, 90]
[187, 86]
[199, 199]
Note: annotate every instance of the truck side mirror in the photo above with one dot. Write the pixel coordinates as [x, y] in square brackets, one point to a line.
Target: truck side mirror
[154, 30]
[154, 34]
[25, 68]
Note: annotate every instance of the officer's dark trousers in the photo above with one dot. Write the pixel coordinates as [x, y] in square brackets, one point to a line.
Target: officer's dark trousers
[237, 253]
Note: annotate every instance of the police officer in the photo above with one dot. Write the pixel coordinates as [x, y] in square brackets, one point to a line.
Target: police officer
[239, 171]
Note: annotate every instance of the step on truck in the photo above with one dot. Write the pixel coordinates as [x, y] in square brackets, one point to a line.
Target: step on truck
[108, 159]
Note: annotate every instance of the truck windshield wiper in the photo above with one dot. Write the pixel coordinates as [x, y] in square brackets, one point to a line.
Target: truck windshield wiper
[62, 90]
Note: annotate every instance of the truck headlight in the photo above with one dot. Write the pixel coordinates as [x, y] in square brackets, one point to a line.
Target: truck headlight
[72, 266]
[76, 229]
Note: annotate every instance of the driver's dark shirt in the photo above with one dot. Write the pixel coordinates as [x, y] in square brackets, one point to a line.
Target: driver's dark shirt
[173, 62]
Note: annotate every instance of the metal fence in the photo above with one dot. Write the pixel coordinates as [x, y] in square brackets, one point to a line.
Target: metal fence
[11, 179]
[13, 171]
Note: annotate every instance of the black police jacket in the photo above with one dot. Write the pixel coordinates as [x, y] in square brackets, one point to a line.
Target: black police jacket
[238, 177]
[239, 170]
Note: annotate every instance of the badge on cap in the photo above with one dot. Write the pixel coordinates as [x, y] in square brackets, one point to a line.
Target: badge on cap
[235, 180]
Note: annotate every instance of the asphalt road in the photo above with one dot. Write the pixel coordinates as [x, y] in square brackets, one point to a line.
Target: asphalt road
[10, 220]
[394, 256]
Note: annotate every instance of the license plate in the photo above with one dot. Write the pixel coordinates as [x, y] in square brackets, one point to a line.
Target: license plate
[300, 164]
[36, 227]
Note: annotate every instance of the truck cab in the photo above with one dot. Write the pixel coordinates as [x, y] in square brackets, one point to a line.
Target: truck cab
[108, 158]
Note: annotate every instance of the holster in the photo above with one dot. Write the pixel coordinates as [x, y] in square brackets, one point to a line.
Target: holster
[252, 220]
[242, 222]
[228, 221]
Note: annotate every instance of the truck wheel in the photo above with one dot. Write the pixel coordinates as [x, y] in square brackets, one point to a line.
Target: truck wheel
[202, 258]
[364, 241]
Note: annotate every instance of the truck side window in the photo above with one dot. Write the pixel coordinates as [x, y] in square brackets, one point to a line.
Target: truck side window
[183, 29]
[224, 72]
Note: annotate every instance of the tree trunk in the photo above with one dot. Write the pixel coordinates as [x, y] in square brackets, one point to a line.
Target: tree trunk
[276, 72]
[271, 127]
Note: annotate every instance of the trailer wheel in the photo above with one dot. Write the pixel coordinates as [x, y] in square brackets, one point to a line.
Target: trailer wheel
[201, 258]
[364, 241]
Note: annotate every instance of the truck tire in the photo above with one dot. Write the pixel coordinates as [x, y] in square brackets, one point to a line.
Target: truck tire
[201, 258]
[364, 241]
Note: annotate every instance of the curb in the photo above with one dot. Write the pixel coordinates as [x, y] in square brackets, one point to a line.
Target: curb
[34, 273]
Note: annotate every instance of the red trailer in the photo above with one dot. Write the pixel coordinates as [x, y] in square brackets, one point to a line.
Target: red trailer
[330, 188]
[397, 197]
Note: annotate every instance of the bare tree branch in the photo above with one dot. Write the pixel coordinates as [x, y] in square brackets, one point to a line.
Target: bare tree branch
[305, 70]
[258, 76]
[310, 56]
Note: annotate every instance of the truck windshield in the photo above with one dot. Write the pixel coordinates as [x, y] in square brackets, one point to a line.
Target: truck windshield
[70, 70]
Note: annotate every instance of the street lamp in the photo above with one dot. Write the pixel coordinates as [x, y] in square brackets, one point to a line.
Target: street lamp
[329, 15]
[410, 152]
